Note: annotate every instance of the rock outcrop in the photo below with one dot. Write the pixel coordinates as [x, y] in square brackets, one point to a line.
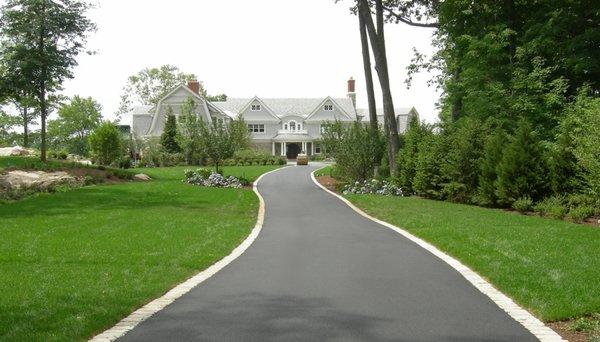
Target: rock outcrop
[40, 180]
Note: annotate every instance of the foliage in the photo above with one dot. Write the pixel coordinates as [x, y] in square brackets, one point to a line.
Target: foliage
[408, 154]
[347, 145]
[583, 114]
[75, 122]
[105, 143]
[587, 324]
[523, 204]
[254, 157]
[168, 139]
[189, 129]
[553, 206]
[492, 156]
[428, 180]
[40, 43]
[521, 171]
[581, 213]
[373, 186]
[219, 141]
[216, 180]
[149, 85]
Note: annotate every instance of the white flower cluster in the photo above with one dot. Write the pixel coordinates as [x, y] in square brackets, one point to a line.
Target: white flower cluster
[373, 186]
[214, 180]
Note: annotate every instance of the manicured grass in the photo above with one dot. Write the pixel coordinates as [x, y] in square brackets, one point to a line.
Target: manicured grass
[550, 267]
[74, 263]
[249, 172]
[325, 171]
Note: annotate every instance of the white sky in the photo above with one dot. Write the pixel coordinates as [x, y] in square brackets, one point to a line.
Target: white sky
[269, 48]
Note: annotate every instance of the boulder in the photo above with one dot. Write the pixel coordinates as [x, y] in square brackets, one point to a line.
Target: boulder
[142, 177]
[15, 151]
[36, 179]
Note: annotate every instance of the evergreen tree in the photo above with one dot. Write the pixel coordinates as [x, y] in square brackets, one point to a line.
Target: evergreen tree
[492, 151]
[428, 179]
[407, 156]
[521, 171]
[168, 139]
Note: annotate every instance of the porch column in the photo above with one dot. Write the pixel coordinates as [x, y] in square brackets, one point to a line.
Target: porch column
[282, 148]
[273, 147]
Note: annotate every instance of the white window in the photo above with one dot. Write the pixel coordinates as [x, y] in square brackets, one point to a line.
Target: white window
[317, 148]
[256, 107]
[256, 128]
[328, 107]
[217, 121]
[292, 126]
[285, 126]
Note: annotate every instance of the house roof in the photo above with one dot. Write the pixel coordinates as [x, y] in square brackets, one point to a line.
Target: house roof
[397, 110]
[282, 107]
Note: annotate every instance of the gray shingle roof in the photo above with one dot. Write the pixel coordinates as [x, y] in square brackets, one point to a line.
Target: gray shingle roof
[285, 106]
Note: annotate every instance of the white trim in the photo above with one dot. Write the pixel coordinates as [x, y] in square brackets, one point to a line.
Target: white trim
[263, 106]
[143, 313]
[320, 106]
[527, 320]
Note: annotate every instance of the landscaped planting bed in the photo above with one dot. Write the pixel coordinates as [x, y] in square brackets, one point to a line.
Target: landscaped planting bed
[75, 263]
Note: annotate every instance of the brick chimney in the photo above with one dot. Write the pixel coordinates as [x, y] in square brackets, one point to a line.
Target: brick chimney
[194, 86]
[351, 91]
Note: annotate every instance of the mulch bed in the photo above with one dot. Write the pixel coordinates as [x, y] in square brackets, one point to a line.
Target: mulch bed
[329, 182]
[563, 329]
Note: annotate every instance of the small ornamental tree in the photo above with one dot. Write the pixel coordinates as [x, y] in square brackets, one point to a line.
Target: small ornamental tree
[105, 143]
[168, 139]
[189, 129]
[521, 171]
[217, 142]
[407, 156]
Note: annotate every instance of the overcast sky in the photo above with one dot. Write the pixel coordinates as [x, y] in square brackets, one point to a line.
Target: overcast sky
[268, 48]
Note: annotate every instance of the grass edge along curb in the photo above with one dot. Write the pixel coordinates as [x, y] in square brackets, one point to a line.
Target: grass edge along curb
[156, 305]
[526, 319]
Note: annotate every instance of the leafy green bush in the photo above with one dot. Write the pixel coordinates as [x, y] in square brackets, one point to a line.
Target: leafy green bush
[551, 206]
[62, 155]
[580, 214]
[105, 143]
[123, 162]
[523, 204]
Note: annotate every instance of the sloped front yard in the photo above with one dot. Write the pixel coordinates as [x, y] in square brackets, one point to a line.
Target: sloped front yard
[74, 263]
[550, 267]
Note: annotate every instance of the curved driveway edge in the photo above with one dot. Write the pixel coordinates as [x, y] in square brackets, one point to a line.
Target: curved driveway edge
[530, 322]
[143, 313]
[318, 271]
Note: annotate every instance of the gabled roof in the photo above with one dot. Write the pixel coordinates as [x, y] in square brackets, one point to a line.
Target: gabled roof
[397, 110]
[282, 107]
[329, 99]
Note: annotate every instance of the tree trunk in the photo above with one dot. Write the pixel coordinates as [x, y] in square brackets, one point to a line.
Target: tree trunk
[25, 128]
[42, 84]
[377, 40]
[457, 102]
[370, 92]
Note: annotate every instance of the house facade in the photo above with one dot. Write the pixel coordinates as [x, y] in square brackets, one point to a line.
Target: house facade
[282, 126]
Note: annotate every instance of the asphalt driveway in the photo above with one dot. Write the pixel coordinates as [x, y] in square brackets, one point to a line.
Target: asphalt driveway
[319, 271]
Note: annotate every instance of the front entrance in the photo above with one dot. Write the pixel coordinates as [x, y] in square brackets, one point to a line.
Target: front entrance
[292, 150]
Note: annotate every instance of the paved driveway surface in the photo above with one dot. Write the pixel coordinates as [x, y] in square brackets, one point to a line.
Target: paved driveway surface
[319, 271]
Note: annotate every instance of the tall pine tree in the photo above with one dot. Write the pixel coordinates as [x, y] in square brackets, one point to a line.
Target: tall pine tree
[168, 139]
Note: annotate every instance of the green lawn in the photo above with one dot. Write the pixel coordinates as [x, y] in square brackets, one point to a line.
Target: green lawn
[550, 267]
[74, 263]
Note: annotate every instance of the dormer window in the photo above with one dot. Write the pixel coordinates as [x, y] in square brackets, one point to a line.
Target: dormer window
[292, 126]
[328, 107]
[256, 107]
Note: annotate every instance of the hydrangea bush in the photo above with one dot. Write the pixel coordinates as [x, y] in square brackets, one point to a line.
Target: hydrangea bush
[206, 177]
[373, 186]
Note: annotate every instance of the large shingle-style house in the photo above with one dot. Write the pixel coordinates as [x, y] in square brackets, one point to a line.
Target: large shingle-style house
[283, 126]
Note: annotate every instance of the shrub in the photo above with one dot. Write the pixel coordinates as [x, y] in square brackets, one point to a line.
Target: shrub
[521, 172]
[581, 213]
[492, 155]
[199, 177]
[123, 162]
[105, 143]
[169, 135]
[281, 161]
[244, 181]
[350, 145]
[373, 186]
[63, 154]
[428, 178]
[523, 204]
[552, 206]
